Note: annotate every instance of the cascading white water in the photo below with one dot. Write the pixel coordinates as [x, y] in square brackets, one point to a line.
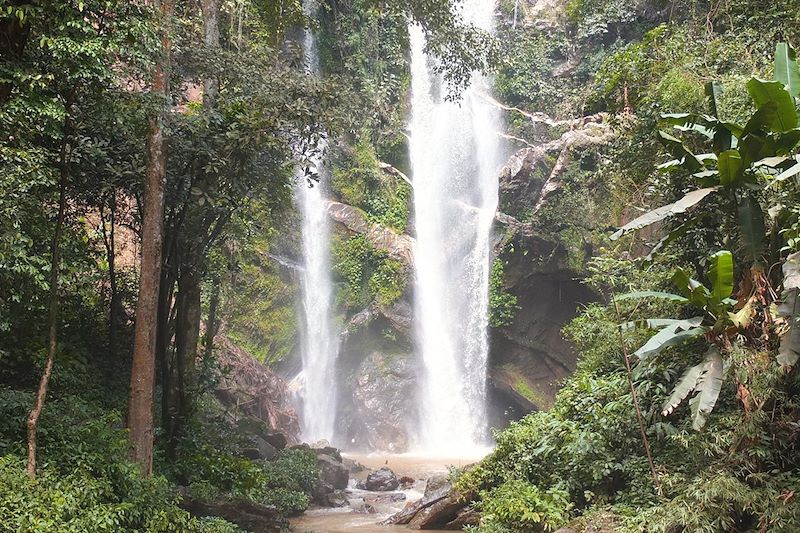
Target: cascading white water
[319, 344]
[455, 159]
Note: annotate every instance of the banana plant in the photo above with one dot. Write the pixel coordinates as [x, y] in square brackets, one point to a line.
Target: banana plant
[743, 158]
[719, 320]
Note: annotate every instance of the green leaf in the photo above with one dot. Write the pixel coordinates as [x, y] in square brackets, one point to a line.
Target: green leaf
[706, 379]
[730, 167]
[763, 91]
[679, 151]
[709, 385]
[713, 90]
[751, 224]
[669, 336]
[721, 275]
[786, 70]
[762, 119]
[696, 293]
[682, 389]
[638, 295]
[655, 323]
[692, 198]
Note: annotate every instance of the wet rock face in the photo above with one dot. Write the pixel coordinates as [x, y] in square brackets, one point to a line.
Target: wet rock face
[383, 479]
[332, 472]
[382, 398]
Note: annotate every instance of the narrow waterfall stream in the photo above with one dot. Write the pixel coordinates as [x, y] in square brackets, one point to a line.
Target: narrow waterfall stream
[319, 344]
[455, 157]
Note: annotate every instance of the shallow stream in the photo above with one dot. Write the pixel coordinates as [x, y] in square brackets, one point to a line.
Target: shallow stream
[345, 520]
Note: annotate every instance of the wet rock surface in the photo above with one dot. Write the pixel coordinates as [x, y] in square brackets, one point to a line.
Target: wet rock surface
[383, 479]
[332, 472]
[382, 391]
[440, 507]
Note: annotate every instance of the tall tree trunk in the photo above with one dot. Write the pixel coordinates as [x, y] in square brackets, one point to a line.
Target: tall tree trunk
[165, 329]
[212, 325]
[115, 300]
[53, 303]
[140, 401]
[187, 335]
[210, 10]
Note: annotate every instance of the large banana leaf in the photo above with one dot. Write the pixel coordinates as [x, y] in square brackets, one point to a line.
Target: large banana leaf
[709, 385]
[672, 336]
[656, 215]
[721, 275]
[763, 91]
[704, 378]
[638, 295]
[679, 151]
[786, 70]
[729, 164]
[789, 351]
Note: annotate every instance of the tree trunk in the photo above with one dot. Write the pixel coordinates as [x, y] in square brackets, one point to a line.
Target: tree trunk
[53, 304]
[210, 10]
[187, 335]
[115, 301]
[212, 324]
[140, 401]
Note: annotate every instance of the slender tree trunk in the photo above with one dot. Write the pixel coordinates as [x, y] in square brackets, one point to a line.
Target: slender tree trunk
[53, 303]
[210, 10]
[115, 303]
[140, 401]
[212, 324]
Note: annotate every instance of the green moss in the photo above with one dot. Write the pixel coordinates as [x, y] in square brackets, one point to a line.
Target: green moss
[523, 388]
[367, 274]
[502, 305]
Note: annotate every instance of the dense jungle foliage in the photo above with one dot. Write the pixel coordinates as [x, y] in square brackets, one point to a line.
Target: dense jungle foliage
[682, 413]
[195, 115]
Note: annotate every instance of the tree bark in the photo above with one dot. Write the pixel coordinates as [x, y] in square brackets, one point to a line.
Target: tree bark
[115, 300]
[210, 9]
[140, 401]
[212, 325]
[187, 336]
[53, 303]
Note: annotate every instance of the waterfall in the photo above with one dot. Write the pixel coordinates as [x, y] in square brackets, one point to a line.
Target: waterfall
[319, 347]
[455, 159]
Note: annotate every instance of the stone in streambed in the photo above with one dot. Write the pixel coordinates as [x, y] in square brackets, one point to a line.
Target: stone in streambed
[389, 497]
[382, 479]
[337, 498]
[406, 482]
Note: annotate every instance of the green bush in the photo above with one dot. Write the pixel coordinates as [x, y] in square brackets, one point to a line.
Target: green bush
[521, 506]
[502, 305]
[79, 502]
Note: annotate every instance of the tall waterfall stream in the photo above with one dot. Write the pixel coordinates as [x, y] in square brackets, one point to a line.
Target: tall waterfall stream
[319, 343]
[455, 158]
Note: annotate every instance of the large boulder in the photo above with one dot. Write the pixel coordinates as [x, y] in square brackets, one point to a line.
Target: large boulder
[383, 479]
[332, 472]
[439, 506]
